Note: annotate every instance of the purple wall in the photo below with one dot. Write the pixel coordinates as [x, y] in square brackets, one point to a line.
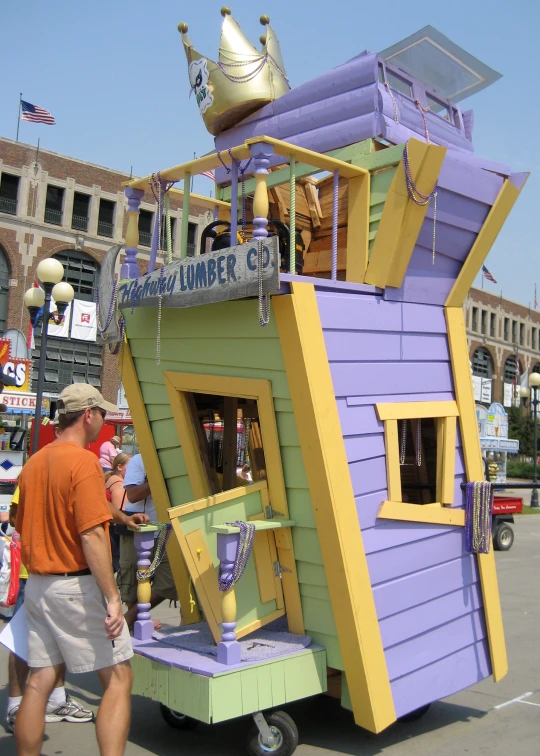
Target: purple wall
[426, 587]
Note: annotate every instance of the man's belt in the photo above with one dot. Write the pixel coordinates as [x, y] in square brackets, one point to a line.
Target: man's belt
[77, 573]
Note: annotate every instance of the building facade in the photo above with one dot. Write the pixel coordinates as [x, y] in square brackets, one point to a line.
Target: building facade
[52, 205]
[504, 346]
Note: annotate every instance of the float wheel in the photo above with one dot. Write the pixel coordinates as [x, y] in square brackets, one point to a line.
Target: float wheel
[176, 719]
[285, 735]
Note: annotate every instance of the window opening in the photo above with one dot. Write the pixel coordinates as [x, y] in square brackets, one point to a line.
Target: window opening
[191, 239]
[9, 192]
[106, 217]
[482, 364]
[418, 460]
[510, 369]
[79, 218]
[54, 204]
[163, 239]
[438, 107]
[4, 289]
[145, 227]
[229, 438]
[493, 325]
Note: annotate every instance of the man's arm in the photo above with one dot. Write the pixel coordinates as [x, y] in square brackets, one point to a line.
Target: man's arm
[97, 551]
[122, 518]
[136, 493]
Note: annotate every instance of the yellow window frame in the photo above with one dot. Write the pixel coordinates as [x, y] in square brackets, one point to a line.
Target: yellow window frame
[180, 384]
[445, 414]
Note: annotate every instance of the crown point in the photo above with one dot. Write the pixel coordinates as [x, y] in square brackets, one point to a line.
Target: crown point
[225, 11]
[262, 39]
[265, 20]
[183, 27]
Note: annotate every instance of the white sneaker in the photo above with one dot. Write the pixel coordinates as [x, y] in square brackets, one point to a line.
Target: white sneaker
[70, 711]
[10, 719]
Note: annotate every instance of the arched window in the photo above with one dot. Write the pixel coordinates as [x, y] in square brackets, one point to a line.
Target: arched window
[4, 289]
[482, 363]
[511, 367]
[536, 368]
[72, 360]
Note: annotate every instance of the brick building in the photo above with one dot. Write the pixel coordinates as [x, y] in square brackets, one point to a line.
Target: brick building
[504, 339]
[54, 205]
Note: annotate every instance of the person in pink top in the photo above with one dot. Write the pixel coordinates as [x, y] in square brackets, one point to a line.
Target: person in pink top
[107, 453]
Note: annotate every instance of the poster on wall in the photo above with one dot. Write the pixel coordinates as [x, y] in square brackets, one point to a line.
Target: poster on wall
[477, 388]
[83, 325]
[508, 394]
[486, 390]
[60, 329]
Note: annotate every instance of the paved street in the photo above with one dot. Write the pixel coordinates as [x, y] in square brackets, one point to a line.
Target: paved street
[467, 723]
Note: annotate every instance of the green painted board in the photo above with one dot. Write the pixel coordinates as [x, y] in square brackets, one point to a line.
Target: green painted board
[331, 644]
[172, 462]
[288, 435]
[165, 434]
[315, 591]
[293, 468]
[306, 546]
[311, 574]
[159, 411]
[180, 491]
[318, 615]
[301, 508]
[305, 674]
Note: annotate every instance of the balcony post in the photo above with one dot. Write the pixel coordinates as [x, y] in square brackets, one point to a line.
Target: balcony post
[144, 543]
[228, 649]
[130, 268]
[261, 154]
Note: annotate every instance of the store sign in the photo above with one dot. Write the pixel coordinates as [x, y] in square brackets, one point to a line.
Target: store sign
[482, 389]
[497, 421]
[123, 416]
[219, 276]
[24, 403]
[15, 367]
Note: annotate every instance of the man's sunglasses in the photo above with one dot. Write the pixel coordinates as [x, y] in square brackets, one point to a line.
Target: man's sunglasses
[102, 412]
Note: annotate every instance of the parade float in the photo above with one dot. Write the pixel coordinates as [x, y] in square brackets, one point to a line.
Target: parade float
[316, 341]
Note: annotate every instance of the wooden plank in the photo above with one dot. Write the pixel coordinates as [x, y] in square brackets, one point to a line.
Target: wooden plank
[391, 222]
[310, 382]
[207, 574]
[433, 514]
[308, 156]
[264, 687]
[449, 461]
[230, 450]
[305, 677]
[260, 527]
[358, 229]
[226, 697]
[249, 690]
[484, 241]
[155, 475]
[457, 340]
[393, 471]
[202, 442]
[440, 428]
[263, 563]
[414, 215]
[277, 673]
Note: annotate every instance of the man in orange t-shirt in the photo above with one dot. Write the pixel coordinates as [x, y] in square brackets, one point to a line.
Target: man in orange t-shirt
[73, 609]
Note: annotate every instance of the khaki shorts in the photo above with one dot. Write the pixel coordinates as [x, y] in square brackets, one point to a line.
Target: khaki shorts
[65, 617]
[162, 582]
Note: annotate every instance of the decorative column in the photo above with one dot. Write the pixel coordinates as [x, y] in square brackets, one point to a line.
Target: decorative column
[130, 268]
[228, 650]
[261, 154]
[144, 543]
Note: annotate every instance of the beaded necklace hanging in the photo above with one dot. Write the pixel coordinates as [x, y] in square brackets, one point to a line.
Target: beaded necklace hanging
[264, 299]
[418, 198]
[161, 543]
[247, 431]
[478, 512]
[403, 443]
[161, 289]
[394, 103]
[423, 112]
[112, 308]
[245, 544]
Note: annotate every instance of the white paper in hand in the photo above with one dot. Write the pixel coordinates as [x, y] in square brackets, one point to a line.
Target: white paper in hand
[15, 635]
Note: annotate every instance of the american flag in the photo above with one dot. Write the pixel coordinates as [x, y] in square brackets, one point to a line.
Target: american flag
[209, 174]
[36, 114]
[487, 274]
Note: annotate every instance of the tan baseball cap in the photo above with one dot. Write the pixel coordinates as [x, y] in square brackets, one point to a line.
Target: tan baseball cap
[54, 421]
[81, 396]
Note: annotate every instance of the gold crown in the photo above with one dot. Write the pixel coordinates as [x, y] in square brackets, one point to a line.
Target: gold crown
[243, 79]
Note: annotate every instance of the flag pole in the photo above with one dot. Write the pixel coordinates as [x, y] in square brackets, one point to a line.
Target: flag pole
[18, 116]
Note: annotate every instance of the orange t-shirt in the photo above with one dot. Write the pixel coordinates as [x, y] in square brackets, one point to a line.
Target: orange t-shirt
[62, 494]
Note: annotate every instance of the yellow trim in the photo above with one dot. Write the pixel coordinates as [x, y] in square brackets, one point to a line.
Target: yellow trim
[415, 410]
[433, 514]
[155, 477]
[459, 352]
[334, 507]
[205, 579]
[215, 500]
[484, 241]
[448, 460]
[243, 152]
[261, 391]
[415, 215]
[391, 443]
[392, 217]
[358, 228]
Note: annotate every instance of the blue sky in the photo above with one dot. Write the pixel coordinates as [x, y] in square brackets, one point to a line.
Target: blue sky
[114, 76]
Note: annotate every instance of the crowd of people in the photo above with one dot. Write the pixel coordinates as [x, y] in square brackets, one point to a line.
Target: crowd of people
[75, 516]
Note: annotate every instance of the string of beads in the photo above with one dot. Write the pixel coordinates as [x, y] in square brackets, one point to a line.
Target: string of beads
[245, 544]
[419, 198]
[164, 532]
[478, 513]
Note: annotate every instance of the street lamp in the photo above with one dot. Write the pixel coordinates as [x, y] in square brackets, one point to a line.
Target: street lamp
[534, 383]
[50, 273]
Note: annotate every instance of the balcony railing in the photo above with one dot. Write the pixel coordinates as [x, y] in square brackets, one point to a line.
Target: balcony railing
[53, 216]
[8, 205]
[104, 229]
[79, 222]
[145, 238]
[191, 250]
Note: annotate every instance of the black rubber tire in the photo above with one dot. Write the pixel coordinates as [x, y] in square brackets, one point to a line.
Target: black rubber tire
[503, 537]
[288, 736]
[415, 715]
[176, 719]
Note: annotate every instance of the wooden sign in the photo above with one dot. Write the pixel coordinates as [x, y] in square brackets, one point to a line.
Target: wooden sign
[231, 273]
[15, 367]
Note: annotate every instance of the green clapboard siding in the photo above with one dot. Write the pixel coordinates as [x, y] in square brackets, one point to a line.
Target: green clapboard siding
[232, 694]
[380, 183]
[226, 339]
